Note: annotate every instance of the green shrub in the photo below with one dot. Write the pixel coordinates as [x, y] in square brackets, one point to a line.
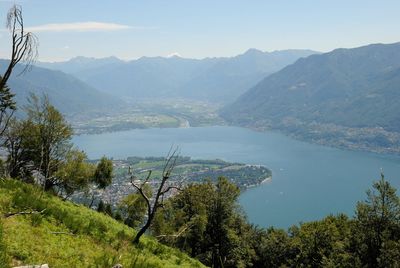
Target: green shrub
[36, 219]
[3, 255]
[27, 197]
[105, 260]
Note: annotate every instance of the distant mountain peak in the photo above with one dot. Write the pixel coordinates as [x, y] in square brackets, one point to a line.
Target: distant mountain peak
[174, 55]
[253, 51]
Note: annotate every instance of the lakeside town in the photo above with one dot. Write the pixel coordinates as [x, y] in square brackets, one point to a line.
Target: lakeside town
[186, 171]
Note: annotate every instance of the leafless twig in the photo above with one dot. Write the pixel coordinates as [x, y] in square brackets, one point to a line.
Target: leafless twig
[169, 165]
[10, 214]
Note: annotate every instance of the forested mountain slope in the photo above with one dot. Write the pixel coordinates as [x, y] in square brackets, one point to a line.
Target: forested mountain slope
[337, 91]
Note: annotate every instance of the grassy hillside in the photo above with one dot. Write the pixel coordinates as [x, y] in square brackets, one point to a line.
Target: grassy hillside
[70, 235]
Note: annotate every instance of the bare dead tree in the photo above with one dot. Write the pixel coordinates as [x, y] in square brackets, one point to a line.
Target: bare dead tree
[163, 189]
[24, 44]
[23, 49]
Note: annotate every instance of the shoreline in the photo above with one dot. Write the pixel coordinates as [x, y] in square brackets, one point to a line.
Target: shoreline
[382, 151]
[265, 180]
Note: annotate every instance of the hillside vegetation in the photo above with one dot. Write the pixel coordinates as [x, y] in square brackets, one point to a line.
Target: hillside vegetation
[70, 235]
[348, 97]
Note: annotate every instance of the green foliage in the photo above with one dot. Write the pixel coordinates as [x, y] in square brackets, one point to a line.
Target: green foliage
[7, 105]
[70, 235]
[378, 225]
[41, 143]
[3, 256]
[75, 172]
[18, 138]
[221, 216]
[204, 220]
[50, 139]
[104, 173]
[134, 207]
[7, 101]
[323, 243]
[272, 248]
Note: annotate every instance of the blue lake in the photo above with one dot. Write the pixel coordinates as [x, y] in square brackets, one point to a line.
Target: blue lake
[309, 181]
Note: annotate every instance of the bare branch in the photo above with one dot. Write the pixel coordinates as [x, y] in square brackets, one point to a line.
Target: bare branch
[169, 165]
[170, 161]
[169, 188]
[10, 214]
[140, 190]
[182, 231]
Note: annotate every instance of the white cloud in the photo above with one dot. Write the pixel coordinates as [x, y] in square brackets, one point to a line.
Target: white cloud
[89, 26]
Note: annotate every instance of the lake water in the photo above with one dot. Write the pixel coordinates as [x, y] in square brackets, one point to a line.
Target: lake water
[309, 181]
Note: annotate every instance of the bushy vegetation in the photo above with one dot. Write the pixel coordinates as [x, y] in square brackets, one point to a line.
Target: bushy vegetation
[205, 221]
[3, 256]
[39, 150]
[70, 235]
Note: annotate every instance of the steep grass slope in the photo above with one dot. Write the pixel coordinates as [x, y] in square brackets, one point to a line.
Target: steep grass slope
[70, 235]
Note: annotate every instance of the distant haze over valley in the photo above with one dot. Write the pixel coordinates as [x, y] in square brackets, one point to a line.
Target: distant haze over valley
[209, 79]
[69, 94]
[344, 98]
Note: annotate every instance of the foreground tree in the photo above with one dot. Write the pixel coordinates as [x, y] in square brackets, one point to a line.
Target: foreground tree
[104, 173]
[378, 226]
[24, 50]
[74, 172]
[16, 143]
[40, 150]
[50, 140]
[221, 238]
[163, 188]
[205, 221]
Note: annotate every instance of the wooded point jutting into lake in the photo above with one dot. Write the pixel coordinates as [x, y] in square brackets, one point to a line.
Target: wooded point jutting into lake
[199, 134]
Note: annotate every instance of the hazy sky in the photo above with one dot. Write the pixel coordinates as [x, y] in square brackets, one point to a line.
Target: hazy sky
[203, 28]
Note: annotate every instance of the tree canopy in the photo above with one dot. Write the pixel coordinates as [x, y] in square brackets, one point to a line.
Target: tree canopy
[40, 150]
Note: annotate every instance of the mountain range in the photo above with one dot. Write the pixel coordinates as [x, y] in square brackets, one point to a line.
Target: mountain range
[351, 88]
[346, 96]
[69, 94]
[210, 79]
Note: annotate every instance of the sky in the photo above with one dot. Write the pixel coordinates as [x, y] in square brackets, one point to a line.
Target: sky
[130, 29]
